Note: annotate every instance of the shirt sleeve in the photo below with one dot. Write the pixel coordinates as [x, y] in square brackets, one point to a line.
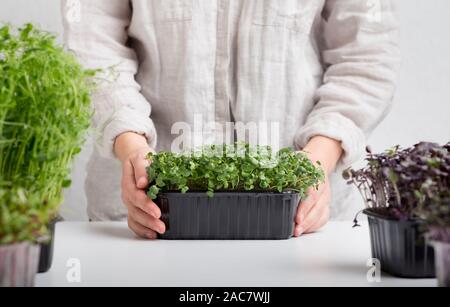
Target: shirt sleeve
[360, 53]
[96, 31]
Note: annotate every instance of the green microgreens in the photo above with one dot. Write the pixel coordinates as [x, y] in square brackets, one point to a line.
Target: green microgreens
[44, 114]
[238, 167]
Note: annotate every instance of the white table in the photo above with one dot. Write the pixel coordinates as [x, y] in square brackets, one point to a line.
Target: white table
[108, 254]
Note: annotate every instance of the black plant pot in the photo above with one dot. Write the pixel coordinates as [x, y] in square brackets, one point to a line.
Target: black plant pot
[228, 216]
[46, 253]
[400, 247]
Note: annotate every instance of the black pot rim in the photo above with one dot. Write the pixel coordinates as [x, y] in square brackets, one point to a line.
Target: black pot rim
[376, 215]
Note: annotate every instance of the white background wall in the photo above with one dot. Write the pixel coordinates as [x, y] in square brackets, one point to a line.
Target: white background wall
[422, 106]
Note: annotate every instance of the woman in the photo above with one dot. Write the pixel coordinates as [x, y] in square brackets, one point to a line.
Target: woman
[322, 70]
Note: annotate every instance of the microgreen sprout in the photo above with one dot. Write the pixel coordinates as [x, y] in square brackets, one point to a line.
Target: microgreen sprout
[238, 167]
[407, 183]
[44, 114]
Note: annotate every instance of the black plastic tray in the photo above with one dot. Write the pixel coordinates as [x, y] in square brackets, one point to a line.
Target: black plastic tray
[47, 248]
[401, 247]
[228, 216]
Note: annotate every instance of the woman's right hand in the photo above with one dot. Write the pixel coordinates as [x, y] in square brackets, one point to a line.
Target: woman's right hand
[143, 214]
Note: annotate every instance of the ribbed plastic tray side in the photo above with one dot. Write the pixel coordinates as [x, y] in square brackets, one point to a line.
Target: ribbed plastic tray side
[228, 216]
[401, 248]
[47, 248]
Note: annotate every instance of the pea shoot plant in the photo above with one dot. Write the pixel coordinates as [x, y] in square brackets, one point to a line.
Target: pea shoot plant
[44, 114]
[238, 167]
[24, 216]
[407, 183]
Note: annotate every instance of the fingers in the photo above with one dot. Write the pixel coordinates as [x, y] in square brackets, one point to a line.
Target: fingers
[317, 217]
[146, 220]
[140, 164]
[321, 222]
[306, 206]
[313, 216]
[134, 196]
[141, 231]
[143, 214]
[138, 198]
[141, 201]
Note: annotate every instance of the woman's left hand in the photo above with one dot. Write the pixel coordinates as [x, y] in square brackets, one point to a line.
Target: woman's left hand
[314, 212]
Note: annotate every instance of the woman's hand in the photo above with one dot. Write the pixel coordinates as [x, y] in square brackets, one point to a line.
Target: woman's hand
[314, 212]
[143, 214]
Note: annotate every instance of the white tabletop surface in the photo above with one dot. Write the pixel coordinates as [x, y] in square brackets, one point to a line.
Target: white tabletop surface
[108, 254]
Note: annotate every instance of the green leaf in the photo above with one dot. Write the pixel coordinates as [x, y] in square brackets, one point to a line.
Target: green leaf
[247, 169]
[45, 112]
[66, 183]
[153, 192]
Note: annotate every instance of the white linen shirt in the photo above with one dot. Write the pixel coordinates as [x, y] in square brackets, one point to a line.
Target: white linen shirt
[315, 67]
